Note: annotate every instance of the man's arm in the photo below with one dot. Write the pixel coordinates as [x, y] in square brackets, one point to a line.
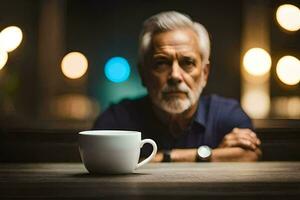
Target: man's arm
[238, 145]
[235, 154]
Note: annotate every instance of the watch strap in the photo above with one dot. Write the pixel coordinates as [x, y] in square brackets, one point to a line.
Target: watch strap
[166, 156]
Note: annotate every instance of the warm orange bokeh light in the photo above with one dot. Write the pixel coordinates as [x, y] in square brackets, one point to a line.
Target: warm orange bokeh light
[288, 17]
[257, 61]
[3, 58]
[10, 38]
[288, 70]
[74, 65]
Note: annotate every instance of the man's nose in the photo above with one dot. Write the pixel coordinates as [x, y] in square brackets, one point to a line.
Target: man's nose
[175, 75]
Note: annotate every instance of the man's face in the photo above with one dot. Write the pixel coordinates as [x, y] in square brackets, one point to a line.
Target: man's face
[173, 71]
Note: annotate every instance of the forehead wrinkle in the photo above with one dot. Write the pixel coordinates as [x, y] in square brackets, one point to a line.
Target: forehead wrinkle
[178, 51]
[174, 44]
[170, 45]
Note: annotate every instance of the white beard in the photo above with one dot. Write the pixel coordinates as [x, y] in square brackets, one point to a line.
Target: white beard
[177, 105]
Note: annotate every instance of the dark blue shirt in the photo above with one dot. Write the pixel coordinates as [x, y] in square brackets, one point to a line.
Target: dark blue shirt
[215, 117]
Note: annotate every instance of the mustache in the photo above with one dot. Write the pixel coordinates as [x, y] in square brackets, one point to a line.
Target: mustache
[177, 88]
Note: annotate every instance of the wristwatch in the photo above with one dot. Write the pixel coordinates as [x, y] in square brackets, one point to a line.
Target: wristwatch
[204, 153]
[166, 156]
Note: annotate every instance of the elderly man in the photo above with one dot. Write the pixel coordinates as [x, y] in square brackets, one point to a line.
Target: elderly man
[174, 67]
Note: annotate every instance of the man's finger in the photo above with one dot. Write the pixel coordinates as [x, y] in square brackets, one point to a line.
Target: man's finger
[238, 136]
[246, 133]
[241, 143]
[248, 137]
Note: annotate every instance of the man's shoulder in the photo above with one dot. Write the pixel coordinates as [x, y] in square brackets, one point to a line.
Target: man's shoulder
[229, 112]
[221, 103]
[123, 115]
[220, 100]
[130, 105]
[225, 108]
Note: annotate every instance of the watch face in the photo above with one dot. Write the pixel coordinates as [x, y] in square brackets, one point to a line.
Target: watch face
[204, 152]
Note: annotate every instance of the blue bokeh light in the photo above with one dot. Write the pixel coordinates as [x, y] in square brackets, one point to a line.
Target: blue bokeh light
[117, 69]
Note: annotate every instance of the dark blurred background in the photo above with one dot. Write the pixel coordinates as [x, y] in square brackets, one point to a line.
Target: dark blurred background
[41, 108]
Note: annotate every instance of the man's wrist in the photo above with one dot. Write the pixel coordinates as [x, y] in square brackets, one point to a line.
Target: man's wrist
[167, 156]
[184, 155]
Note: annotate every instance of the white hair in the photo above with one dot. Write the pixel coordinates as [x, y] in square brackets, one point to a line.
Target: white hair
[168, 21]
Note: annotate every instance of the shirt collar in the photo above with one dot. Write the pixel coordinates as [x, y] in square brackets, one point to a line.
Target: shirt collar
[200, 116]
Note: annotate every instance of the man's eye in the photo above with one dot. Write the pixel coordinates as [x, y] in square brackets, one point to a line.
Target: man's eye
[188, 63]
[161, 64]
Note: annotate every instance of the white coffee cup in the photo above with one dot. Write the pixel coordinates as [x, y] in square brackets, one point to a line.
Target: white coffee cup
[112, 151]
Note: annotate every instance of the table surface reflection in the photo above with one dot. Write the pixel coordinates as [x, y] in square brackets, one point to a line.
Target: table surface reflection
[278, 180]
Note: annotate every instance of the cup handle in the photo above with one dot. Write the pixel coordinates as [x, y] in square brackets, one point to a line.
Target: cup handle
[151, 155]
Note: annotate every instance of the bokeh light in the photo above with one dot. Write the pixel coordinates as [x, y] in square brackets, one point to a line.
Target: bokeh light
[74, 106]
[3, 58]
[257, 61]
[74, 65]
[286, 106]
[288, 17]
[293, 107]
[117, 69]
[256, 103]
[10, 38]
[288, 70]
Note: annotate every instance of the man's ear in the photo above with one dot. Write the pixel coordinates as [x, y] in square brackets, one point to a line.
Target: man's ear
[206, 71]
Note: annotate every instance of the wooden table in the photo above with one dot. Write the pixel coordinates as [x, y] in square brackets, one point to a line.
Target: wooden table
[264, 180]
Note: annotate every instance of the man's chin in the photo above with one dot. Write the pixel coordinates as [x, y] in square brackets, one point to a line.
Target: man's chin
[175, 107]
[175, 95]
